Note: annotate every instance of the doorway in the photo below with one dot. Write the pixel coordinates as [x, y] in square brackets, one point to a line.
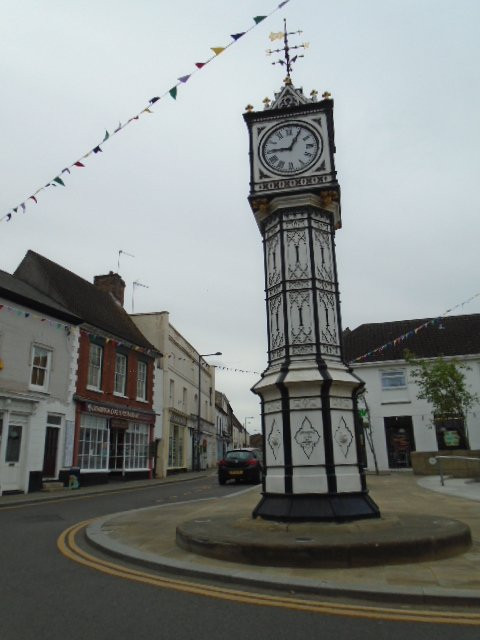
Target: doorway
[12, 466]
[117, 450]
[50, 456]
[400, 441]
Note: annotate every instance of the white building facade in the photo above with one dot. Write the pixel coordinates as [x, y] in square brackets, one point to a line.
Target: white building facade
[188, 385]
[400, 423]
[38, 354]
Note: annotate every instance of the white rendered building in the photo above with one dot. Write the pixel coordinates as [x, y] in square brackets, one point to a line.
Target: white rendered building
[182, 424]
[38, 353]
[400, 422]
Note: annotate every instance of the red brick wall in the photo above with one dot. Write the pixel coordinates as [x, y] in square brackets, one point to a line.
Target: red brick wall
[108, 379]
[108, 375]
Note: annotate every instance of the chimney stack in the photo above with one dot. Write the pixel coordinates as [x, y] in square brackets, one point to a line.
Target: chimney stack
[111, 283]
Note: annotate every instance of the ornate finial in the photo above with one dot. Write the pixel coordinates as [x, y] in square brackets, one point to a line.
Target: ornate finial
[313, 95]
[266, 102]
[326, 95]
[249, 108]
[286, 49]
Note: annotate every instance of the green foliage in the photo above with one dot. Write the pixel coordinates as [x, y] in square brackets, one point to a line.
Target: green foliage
[442, 383]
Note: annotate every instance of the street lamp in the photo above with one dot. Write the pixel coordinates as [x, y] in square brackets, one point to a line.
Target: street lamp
[196, 450]
[245, 428]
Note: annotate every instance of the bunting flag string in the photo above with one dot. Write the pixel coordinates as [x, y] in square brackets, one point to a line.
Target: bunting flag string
[237, 370]
[118, 342]
[56, 324]
[172, 92]
[413, 332]
[217, 366]
[21, 313]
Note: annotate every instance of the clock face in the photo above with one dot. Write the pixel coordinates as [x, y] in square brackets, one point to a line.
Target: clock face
[290, 148]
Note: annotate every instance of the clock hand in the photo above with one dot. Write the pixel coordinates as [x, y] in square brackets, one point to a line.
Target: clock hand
[294, 140]
[283, 149]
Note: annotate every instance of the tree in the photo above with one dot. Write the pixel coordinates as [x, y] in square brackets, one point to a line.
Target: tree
[442, 383]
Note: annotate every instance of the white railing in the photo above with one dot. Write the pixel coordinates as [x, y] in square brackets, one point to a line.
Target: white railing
[466, 458]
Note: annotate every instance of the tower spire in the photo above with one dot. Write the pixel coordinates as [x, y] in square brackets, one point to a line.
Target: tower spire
[287, 61]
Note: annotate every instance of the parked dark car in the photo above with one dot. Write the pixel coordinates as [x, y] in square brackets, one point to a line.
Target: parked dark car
[241, 464]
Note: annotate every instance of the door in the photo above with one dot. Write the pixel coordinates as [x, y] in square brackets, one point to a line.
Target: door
[400, 441]
[50, 455]
[12, 465]
[117, 450]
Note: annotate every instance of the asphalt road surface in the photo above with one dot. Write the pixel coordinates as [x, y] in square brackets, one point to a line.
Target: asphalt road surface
[46, 596]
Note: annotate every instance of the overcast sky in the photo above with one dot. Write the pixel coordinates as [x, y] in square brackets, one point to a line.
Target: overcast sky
[171, 189]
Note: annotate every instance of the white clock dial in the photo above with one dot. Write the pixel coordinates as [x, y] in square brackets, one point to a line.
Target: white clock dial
[290, 148]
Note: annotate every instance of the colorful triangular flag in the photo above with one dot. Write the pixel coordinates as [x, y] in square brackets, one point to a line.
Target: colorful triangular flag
[78, 164]
[217, 50]
[107, 135]
[155, 99]
[59, 181]
[237, 36]
[199, 65]
[184, 78]
[258, 19]
[97, 150]
[173, 92]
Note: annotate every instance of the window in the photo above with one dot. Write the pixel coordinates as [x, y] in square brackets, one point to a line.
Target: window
[120, 385]
[171, 394]
[185, 399]
[141, 380]
[136, 446]
[393, 379]
[41, 359]
[54, 420]
[14, 443]
[94, 443]
[95, 359]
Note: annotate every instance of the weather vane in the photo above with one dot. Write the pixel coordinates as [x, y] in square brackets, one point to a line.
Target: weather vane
[286, 61]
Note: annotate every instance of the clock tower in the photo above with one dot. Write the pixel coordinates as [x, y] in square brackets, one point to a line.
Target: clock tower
[313, 444]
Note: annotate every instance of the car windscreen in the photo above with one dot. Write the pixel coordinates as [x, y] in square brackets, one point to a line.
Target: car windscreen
[238, 455]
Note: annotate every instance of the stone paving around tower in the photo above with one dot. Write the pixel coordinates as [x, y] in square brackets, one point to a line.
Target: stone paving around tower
[147, 536]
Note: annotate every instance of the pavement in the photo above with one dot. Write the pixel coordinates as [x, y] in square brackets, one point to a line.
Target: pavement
[147, 537]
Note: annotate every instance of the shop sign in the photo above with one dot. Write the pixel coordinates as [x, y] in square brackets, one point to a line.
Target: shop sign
[114, 412]
[180, 420]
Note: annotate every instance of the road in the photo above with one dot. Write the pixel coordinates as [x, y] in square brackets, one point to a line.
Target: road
[46, 596]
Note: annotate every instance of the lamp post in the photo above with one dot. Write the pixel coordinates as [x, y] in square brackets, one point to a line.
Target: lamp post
[245, 428]
[196, 447]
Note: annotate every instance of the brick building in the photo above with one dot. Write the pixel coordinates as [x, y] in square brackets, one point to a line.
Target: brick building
[114, 430]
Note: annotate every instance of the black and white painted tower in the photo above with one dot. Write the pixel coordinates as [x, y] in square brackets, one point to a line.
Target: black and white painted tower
[312, 437]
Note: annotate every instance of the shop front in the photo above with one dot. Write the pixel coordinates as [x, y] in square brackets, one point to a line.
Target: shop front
[113, 442]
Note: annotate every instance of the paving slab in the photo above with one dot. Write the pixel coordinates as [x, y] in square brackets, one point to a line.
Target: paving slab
[147, 537]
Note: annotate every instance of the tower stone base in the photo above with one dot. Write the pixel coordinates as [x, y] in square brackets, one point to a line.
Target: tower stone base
[314, 457]
[316, 507]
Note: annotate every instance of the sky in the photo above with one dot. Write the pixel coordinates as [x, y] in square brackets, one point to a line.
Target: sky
[171, 188]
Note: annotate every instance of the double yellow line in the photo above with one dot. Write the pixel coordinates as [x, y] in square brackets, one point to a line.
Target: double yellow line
[69, 548]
